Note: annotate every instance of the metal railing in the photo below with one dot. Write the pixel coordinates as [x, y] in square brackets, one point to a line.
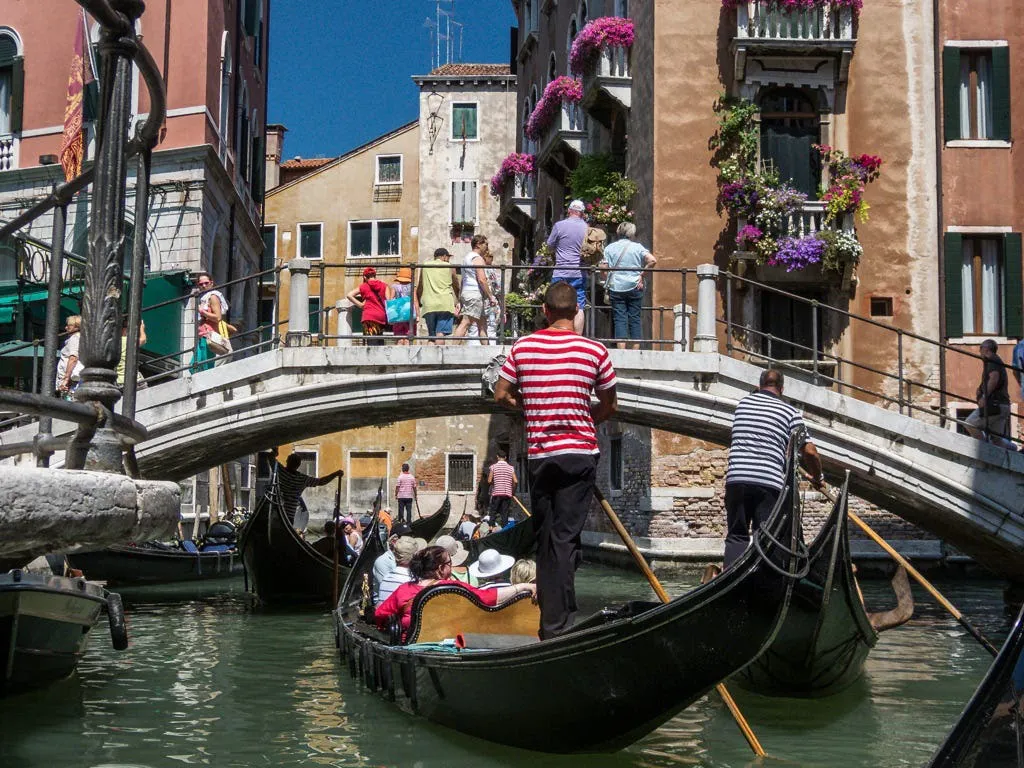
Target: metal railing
[767, 21]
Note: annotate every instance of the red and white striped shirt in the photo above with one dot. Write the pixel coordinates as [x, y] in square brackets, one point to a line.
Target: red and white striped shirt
[556, 371]
[501, 478]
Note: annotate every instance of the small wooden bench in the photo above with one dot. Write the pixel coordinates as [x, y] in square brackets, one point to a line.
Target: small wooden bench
[446, 611]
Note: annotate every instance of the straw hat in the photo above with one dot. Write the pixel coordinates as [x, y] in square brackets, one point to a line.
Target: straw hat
[404, 275]
[490, 563]
[458, 552]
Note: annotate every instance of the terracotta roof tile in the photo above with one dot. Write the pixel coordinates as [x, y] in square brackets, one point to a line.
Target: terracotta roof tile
[306, 162]
[470, 69]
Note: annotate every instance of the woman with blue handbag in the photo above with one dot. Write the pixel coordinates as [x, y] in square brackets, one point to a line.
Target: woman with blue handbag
[399, 308]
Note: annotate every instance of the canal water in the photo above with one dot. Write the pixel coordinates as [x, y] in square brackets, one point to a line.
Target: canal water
[211, 680]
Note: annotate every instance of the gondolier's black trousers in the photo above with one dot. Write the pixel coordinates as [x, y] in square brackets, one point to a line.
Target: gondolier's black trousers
[498, 509]
[561, 494]
[747, 508]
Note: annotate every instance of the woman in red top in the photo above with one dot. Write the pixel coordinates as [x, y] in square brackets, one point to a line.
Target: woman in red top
[370, 296]
[429, 566]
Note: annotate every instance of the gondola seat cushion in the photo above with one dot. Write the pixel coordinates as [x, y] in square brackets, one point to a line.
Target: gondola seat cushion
[190, 546]
[217, 548]
[447, 610]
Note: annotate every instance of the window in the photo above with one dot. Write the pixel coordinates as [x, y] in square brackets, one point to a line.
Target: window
[583, 14]
[463, 202]
[309, 460]
[789, 130]
[976, 92]
[615, 464]
[464, 124]
[622, 8]
[269, 260]
[367, 476]
[225, 96]
[242, 165]
[314, 314]
[573, 31]
[389, 169]
[461, 476]
[12, 84]
[375, 238]
[311, 241]
[984, 287]
[265, 315]
[881, 306]
[552, 67]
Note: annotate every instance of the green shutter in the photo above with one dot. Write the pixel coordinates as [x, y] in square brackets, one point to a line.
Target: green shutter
[1001, 93]
[951, 92]
[259, 162]
[954, 258]
[1013, 287]
[17, 93]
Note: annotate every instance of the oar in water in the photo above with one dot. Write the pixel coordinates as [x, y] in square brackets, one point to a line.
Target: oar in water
[974, 631]
[734, 709]
[337, 565]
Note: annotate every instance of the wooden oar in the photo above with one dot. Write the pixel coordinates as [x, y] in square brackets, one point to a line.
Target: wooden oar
[734, 710]
[974, 631]
[525, 510]
[337, 565]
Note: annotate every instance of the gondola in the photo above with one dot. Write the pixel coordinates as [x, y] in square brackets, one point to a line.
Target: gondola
[44, 624]
[282, 567]
[821, 647]
[990, 731]
[609, 681]
[518, 541]
[155, 564]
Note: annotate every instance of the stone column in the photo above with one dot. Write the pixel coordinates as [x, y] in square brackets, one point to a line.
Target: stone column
[298, 303]
[706, 339]
[344, 307]
[681, 326]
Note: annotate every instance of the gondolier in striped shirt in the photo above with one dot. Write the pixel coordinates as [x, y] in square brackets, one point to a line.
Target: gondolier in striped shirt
[291, 483]
[503, 481]
[551, 374]
[756, 475]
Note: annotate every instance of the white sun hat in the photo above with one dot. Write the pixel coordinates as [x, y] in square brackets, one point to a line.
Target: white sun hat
[490, 563]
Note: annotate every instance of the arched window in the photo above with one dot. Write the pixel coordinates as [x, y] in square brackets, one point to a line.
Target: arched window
[573, 31]
[583, 14]
[225, 96]
[552, 67]
[12, 81]
[242, 134]
[790, 127]
[622, 9]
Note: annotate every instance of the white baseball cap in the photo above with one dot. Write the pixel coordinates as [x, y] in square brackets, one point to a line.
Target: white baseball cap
[577, 205]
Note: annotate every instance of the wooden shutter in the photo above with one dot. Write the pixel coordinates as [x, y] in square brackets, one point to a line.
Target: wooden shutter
[17, 93]
[1013, 287]
[463, 201]
[259, 162]
[1001, 93]
[954, 259]
[951, 95]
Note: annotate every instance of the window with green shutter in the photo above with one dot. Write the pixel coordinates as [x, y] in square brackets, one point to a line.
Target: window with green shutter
[951, 95]
[976, 93]
[311, 241]
[953, 262]
[314, 314]
[1013, 286]
[464, 121]
[12, 85]
[1001, 93]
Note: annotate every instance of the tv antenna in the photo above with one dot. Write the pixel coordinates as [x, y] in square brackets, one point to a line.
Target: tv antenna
[445, 34]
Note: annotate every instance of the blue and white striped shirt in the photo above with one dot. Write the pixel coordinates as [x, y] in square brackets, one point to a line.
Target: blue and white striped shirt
[760, 433]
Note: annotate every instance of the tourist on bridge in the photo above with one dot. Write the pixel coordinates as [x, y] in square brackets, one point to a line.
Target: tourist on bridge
[756, 475]
[405, 492]
[626, 260]
[371, 297]
[212, 331]
[558, 365]
[67, 375]
[291, 483]
[503, 481]
[402, 289]
[567, 238]
[991, 419]
[475, 292]
[436, 291]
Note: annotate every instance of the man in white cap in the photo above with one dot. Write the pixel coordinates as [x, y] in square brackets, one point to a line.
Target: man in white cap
[567, 238]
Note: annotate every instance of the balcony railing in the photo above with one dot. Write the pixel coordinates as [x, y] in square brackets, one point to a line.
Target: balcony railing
[611, 78]
[569, 129]
[8, 152]
[763, 21]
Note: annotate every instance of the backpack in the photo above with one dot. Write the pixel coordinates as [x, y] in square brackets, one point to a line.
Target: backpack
[593, 244]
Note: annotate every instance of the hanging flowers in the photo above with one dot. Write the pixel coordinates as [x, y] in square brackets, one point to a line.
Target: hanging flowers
[605, 32]
[561, 90]
[515, 164]
[847, 178]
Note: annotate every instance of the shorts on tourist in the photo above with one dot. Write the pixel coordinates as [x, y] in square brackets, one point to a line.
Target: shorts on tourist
[472, 306]
[439, 323]
[994, 423]
[578, 284]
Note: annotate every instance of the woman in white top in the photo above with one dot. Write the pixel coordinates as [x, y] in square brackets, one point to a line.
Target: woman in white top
[624, 262]
[475, 290]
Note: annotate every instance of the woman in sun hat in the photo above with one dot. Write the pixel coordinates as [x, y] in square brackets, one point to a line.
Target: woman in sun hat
[491, 569]
[400, 289]
[370, 296]
[459, 555]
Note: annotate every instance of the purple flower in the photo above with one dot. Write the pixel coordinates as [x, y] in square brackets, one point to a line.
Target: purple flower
[748, 234]
[559, 91]
[605, 32]
[798, 253]
[514, 164]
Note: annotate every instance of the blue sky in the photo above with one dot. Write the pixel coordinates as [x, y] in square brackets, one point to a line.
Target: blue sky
[340, 69]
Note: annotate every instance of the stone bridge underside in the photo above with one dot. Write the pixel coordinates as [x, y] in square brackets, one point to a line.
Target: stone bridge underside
[966, 492]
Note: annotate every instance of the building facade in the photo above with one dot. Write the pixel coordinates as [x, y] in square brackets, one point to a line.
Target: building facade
[206, 182]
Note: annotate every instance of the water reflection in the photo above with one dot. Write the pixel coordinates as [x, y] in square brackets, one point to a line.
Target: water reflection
[209, 680]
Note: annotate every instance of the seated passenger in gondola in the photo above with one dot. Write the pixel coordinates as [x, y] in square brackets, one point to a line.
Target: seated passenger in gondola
[430, 566]
[404, 548]
[524, 572]
[467, 525]
[386, 563]
[491, 569]
[459, 556]
[353, 537]
[325, 546]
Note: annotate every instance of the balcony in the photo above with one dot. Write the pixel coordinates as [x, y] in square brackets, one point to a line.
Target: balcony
[763, 28]
[518, 203]
[564, 141]
[8, 152]
[609, 88]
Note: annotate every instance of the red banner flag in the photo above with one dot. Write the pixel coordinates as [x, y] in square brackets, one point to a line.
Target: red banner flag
[72, 146]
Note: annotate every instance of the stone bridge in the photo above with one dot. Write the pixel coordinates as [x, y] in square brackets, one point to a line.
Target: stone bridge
[967, 492]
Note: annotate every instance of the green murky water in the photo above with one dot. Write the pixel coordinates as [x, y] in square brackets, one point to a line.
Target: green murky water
[210, 680]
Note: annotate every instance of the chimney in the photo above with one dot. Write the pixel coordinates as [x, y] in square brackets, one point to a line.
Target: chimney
[275, 149]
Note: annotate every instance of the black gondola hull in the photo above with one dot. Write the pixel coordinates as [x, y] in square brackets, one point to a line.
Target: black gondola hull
[127, 566]
[518, 541]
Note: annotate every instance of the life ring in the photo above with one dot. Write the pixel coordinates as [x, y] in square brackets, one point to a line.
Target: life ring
[115, 618]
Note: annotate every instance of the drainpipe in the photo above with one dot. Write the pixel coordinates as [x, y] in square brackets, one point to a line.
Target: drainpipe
[940, 252]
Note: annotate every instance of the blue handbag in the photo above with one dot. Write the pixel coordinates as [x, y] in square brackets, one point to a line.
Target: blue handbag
[399, 310]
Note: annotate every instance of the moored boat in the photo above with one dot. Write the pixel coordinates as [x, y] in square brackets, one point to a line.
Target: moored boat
[990, 731]
[821, 646]
[610, 680]
[44, 624]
